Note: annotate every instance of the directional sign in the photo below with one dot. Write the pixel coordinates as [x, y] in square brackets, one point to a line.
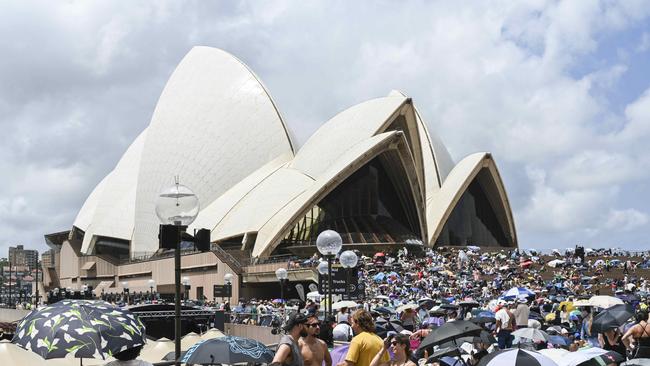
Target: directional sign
[222, 291]
[347, 286]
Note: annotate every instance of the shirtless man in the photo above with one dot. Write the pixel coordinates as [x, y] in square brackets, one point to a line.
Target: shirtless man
[314, 350]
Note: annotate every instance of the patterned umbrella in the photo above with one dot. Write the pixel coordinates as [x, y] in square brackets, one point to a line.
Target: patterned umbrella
[87, 329]
[227, 350]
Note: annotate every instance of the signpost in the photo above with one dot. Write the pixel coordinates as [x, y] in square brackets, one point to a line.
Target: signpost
[352, 290]
[222, 290]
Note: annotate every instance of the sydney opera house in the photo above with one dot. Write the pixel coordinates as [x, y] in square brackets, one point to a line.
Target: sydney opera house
[375, 173]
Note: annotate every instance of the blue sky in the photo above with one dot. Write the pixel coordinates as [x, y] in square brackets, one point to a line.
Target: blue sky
[557, 91]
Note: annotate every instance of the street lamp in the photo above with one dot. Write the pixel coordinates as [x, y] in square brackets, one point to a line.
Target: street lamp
[329, 243]
[282, 275]
[186, 288]
[227, 279]
[348, 260]
[177, 205]
[151, 283]
[125, 290]
[84, 288]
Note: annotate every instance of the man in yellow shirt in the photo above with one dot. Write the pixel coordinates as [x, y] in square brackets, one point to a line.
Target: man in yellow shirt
[366, 343]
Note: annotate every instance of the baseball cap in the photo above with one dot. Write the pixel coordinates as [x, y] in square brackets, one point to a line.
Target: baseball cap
[295, 319]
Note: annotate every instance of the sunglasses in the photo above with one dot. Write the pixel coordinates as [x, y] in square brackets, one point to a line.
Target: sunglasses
[313, 325]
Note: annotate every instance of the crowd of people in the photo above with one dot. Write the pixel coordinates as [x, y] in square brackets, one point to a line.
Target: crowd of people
[520, 300]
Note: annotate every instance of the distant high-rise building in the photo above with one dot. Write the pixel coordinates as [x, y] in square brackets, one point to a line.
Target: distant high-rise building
[19, 256]
[47, 259]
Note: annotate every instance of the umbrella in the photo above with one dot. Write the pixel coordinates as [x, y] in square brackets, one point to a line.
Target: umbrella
[604, 301]
[450, 331]
[86, 329]
[189, 340]
[516, 357]
[382, 297]
[517, 292]
[637, 362]
[228, 350]
[338, 353]
[406, 307]
[156, 350]
[558, 340]
[593, 356]
[612, 317]
[533, 323]
[468, 303]
[344, 304]
[10, 354]
[483, 320]
[212, 333]
[555, 354]
[384, 310]
[556, 262]
[533, 334]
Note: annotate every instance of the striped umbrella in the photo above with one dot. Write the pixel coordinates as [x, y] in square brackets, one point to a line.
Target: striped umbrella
[517, 292]
[516, 357]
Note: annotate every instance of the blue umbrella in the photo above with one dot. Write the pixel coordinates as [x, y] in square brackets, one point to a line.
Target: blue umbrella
[516, 292]
[379, 277]
[558, 340]
[486, 314]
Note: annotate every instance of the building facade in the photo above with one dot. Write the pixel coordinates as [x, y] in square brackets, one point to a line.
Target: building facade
[375, 172]
[19, 256]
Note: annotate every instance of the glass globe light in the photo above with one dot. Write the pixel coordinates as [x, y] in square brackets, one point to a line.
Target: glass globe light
[186, 281]
[177, 205]
[125, 285]
[281, 274]
[151, 282]
[227, 278]
[322, 268]
[329, 242]
[348, 259]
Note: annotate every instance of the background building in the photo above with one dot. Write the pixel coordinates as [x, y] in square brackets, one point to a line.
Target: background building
[19, 256]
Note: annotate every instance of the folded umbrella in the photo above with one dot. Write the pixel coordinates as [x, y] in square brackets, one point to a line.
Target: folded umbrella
[557, 340]
[612, 317]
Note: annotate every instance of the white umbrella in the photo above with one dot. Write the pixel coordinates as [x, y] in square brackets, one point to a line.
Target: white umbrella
[382, 297]
[155, 351]
[314, 295]
[604, 301]
[212, 333]
[532, 323]
[406, 307]
[583, 303]
[10, 354]
[533, 334]
[555, 354]
[344, 304]
[189, 340]
[425, 299]
[516, 357]
[556, 262]
[582, 355]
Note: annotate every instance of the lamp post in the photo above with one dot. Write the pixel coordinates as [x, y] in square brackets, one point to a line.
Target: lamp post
[84, 288]
[151, 283]
[125, 290]
[38, 266]
[10, 290]
[177, 205]
[227, 279]
[186, 287]
[348, 260]
[329, 243]
[281, 274]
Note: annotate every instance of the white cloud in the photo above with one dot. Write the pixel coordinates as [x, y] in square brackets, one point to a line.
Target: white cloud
[626, 220]
[79, 81]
